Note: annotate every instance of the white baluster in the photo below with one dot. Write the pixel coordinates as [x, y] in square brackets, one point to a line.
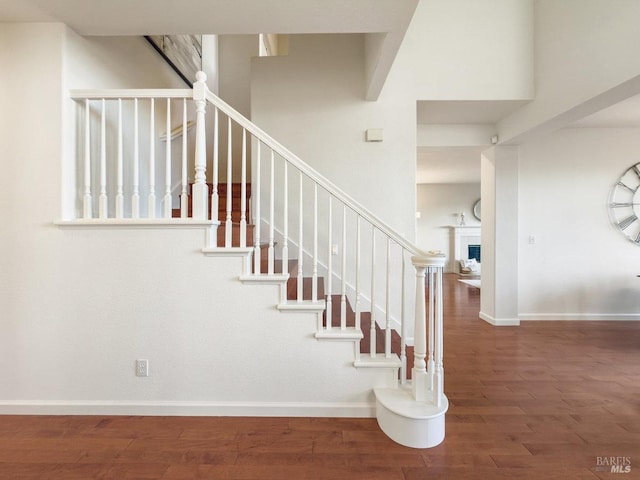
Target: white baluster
[135, 196]
[358, 309]
[372, 329]
[403, 327]
[86, 204]
[120, 175]
[214, 191]
[387, 328]
[199, 192]
[419, 374]
[314, 276]
[102, 202]
[438, 388]
[152, 164]
[272, 180]
[228, 226]
[300, 250]
[329, 310]
[285, 217]
[243, 192]
[167, 166]
[343, 272]
[184, 195]
[256, 215]
[431, 330]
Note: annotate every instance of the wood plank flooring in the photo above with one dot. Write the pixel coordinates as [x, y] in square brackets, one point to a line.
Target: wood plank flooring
[539, 401]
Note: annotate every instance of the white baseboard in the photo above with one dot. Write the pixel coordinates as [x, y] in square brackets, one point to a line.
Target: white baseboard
[500, 322]
[588, 317]
[156, 408]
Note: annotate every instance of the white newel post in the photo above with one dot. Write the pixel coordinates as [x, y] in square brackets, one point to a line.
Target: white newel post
[199, 192]
[427, 385]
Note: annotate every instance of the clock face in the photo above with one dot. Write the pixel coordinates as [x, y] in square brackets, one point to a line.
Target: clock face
[624, 204]
[476, 209]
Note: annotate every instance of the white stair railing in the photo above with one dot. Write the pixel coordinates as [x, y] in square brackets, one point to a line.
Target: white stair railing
[308, 212]
[119, 146]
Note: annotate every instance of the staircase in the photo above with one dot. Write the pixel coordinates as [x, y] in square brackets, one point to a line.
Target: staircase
[329, 257]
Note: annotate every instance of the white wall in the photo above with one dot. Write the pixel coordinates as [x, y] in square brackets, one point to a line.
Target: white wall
[582, 49]
[115, 62]
[440, 206]
[312, 101]
[234, 57]
[235, 53]
[468, 50]
[580, 267]
[31, 81]
[79, 306]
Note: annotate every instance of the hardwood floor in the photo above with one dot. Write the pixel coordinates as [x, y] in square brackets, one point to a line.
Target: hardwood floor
[539, 401]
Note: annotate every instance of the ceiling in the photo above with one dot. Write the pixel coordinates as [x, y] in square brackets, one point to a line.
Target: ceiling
[142, 17]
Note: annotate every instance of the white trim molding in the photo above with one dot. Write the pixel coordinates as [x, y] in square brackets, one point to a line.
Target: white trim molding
[500, 322]
[584, 317]
[230, 409]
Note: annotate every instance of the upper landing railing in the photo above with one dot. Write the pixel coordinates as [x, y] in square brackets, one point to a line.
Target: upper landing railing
[129, 174]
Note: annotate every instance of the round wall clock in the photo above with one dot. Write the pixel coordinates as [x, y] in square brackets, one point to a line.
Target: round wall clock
[476, 209]
[624, 204]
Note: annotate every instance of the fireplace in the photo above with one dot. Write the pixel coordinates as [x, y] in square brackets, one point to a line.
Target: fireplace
[465, 244]
[473, 251]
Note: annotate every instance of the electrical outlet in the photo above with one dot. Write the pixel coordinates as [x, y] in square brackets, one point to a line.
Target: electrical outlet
[334, 249]
[142, 368]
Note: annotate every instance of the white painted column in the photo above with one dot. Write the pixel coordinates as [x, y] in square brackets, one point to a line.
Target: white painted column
[499, 293]
[200, 200]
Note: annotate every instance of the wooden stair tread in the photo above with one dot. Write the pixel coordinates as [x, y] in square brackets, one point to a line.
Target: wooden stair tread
[235, 235]
[292, 288]
[236, 201]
